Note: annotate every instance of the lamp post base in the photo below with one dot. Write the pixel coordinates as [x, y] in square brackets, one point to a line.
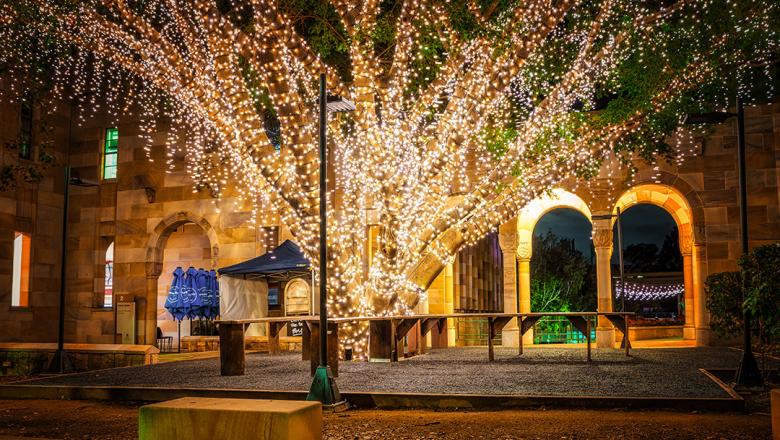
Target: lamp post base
[748, 374]
[325, 390]
[60, 363]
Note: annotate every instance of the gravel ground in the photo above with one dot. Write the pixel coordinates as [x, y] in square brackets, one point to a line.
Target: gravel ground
[72, 419]
[540, 371]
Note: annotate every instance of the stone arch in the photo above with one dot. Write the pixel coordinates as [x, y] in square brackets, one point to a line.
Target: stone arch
[154, 261]
[157, 240]
[679, 190]
[537, 208]
[678, 204]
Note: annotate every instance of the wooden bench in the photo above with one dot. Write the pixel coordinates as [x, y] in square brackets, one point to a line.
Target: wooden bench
[199, 418]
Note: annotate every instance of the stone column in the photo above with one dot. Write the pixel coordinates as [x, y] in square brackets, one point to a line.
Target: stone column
[689, 331]
[507, 240]
[149, 332]
[524, 276]
[449, 303]
[602, 242]
[701, 317]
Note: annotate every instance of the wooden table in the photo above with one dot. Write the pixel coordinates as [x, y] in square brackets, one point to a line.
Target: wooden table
[385, 332]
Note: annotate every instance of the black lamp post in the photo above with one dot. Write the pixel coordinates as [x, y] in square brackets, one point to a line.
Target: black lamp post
[748, 374]
[323, 387]
[60, 363]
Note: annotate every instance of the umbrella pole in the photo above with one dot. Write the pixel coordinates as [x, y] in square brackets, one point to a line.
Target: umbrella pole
[179, 349]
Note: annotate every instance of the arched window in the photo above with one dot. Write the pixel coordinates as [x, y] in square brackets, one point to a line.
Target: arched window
[108, 295]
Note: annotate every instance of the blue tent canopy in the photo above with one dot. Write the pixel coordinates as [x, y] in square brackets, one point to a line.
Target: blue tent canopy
[286, 260]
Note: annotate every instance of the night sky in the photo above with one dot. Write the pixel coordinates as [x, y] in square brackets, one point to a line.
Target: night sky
[641, 224]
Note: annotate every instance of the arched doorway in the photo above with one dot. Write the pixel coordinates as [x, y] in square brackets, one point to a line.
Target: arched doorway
[155, 259]
[673, 203]
[653, 271]
[526, 224]
[187, 246]
[563, 275]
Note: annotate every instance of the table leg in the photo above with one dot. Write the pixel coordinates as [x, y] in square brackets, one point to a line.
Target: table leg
[520, 342]
[587, 336]
[625, 337]
[491, 354]
[273, 338]
[232, 359]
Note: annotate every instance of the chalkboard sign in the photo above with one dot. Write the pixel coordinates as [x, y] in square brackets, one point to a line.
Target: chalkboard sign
[295, 328]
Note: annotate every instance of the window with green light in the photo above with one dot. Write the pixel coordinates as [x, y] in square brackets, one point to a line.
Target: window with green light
[110, 153]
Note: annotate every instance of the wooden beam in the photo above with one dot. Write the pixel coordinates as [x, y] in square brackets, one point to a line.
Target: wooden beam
[426, 324]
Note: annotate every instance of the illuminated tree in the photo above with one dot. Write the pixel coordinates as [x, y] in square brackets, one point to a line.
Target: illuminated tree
[466, 110]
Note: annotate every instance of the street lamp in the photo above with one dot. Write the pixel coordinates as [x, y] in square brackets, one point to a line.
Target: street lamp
[60, 363]
[748, 374]
[323, 387]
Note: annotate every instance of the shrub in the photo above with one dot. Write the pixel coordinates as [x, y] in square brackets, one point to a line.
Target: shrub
[761, 269]
[724, 302]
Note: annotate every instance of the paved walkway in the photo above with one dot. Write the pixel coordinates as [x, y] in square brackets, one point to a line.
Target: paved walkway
[540, 371]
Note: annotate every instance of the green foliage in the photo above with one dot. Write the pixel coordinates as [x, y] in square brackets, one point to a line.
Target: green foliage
[761, 269]
[560, 276]
[724, 302]
[319, 24]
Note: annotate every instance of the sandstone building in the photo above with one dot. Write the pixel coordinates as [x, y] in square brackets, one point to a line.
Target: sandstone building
[126, 234]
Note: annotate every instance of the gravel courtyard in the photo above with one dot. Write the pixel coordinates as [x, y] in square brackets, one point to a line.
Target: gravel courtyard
[540, 371]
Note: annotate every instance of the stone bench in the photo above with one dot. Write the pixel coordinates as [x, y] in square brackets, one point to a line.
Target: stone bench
[25, 358]
[196, 418]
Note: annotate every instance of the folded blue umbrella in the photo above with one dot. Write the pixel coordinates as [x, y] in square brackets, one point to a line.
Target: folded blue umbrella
[191, 293]
[214, 294]
[175, 301]
[204, 292]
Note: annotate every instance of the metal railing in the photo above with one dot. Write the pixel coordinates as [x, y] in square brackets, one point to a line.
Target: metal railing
[559, 330]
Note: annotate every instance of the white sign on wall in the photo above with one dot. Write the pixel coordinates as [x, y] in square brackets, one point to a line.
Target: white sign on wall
[125, 321]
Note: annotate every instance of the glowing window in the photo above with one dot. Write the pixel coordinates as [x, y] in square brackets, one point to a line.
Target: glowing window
[108, 295]
[110, 153]
[20, 286]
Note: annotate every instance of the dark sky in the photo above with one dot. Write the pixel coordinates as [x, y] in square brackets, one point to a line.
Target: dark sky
[568, 223]
[642, 223]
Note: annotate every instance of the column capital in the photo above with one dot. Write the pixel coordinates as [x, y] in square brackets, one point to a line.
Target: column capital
[507, 239]
[602, 237]
[524, 250]
[686, 241]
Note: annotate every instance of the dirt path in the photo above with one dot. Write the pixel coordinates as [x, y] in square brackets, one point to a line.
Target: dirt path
[103, 420]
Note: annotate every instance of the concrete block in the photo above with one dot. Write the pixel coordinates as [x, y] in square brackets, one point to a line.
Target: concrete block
[776, 414]
[196, 418]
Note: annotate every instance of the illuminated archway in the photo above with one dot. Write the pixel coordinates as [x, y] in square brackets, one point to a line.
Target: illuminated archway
[526, 222]
[678, 206]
